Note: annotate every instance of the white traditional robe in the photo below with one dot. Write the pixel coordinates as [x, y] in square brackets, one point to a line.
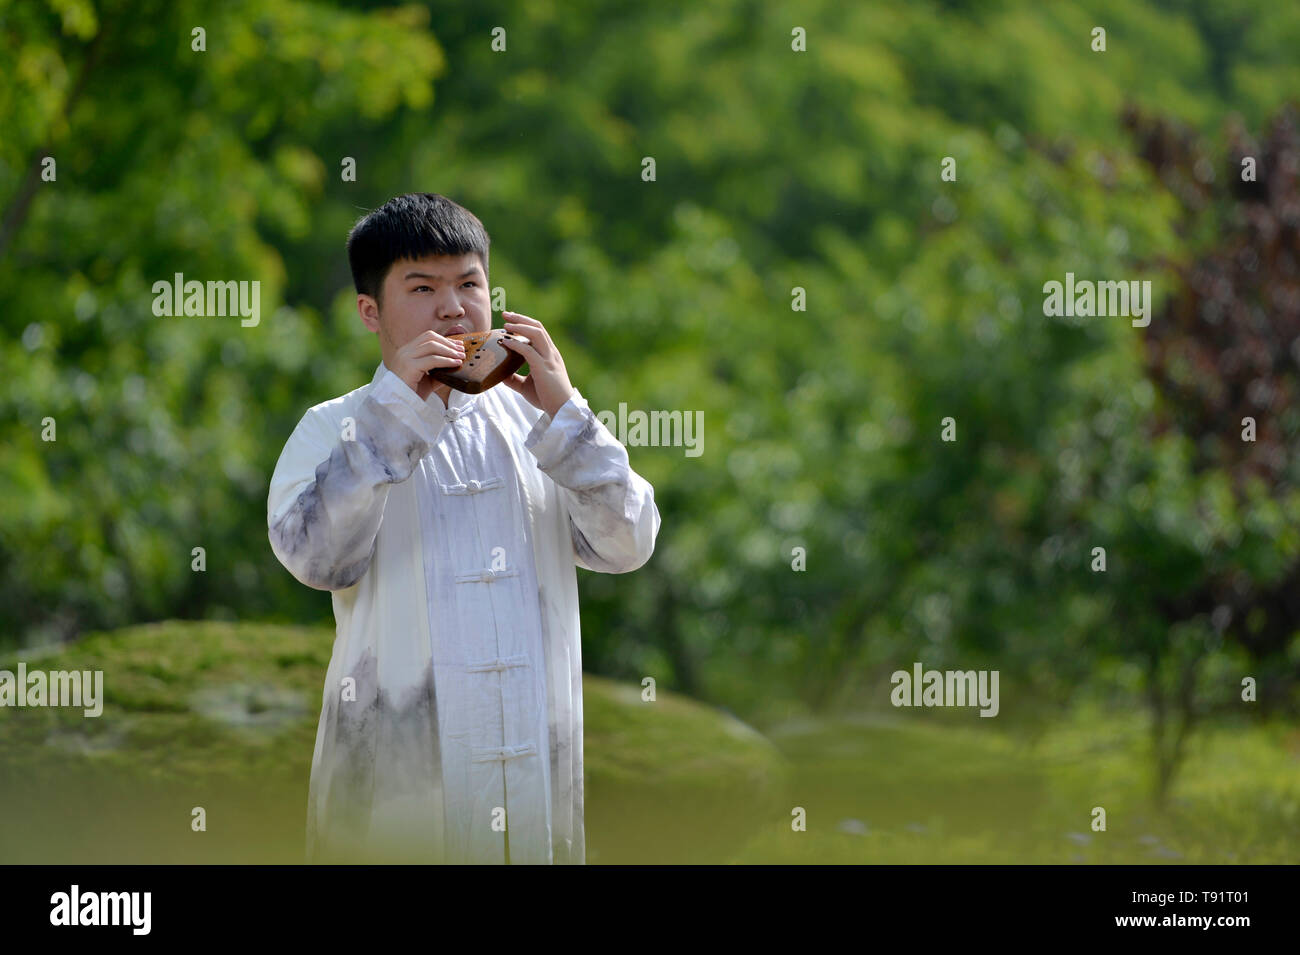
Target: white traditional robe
[449, 536]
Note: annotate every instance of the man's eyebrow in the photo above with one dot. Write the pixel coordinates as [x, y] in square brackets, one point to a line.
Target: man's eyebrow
[426, 275]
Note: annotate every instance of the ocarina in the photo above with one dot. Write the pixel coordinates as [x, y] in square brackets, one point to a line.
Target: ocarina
[486, 363]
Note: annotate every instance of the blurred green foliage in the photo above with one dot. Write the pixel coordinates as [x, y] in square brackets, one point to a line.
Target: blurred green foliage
[775, 170]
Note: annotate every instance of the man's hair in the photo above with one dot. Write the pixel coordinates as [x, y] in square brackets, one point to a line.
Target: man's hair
[411, 227]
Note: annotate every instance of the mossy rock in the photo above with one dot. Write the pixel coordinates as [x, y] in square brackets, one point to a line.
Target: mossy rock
[223, 716]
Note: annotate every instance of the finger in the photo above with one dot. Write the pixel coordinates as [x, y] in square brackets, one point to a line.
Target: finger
[432, 347]
[425, 337]
[516, 382]
[534, 333]
[438, 361]
[429, 335]
[523, 348]
[514, 318]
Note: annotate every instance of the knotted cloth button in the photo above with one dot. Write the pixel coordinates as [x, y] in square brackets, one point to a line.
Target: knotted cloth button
[472, 487]
[482, 754]
[498, 664]
[484, 576]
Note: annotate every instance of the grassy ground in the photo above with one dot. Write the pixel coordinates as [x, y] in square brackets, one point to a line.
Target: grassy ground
[901, 790]
[224, 717]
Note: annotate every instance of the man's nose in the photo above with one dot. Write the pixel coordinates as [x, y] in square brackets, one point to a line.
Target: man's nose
[450, 308]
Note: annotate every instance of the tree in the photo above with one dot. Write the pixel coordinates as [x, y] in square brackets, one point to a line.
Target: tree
[1224, 355]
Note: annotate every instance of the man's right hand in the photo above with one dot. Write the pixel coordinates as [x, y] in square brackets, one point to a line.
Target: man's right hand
[427, 351]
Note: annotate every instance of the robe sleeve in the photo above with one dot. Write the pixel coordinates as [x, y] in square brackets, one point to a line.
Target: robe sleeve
[612, 512]
[329, 488]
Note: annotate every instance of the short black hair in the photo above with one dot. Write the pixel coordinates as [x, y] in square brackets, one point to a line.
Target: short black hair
[412, 226]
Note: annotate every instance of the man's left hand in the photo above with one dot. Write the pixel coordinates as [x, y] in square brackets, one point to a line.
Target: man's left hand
[547, 385]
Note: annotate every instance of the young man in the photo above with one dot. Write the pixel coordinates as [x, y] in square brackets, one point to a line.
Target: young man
[447, 526]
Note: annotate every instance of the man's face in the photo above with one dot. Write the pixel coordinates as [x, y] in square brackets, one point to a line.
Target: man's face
[447, 294]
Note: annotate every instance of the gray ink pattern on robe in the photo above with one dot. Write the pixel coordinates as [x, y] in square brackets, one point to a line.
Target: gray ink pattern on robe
[353, 723]
[603, 512]
[324, 537]
[580, 545]
[605, 497]
[369, 734]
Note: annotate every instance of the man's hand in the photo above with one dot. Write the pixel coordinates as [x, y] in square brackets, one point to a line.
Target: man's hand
[547, 385]
[429, 350]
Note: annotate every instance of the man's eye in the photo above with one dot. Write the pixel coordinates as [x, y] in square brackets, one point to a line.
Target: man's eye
[471, 282]
[418, 287]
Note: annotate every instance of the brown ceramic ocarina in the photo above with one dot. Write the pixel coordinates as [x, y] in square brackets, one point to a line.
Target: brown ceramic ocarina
[486, 363]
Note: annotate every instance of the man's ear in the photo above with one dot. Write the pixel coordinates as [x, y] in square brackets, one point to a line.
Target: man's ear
[369, 311]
